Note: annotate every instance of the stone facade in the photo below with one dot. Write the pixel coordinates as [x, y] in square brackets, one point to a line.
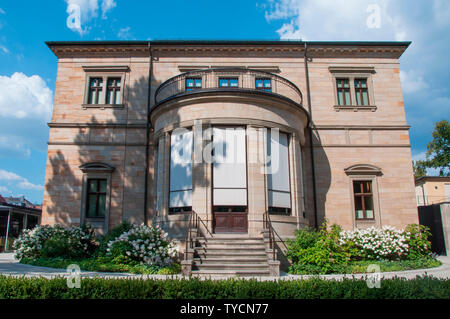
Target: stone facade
[348, 142]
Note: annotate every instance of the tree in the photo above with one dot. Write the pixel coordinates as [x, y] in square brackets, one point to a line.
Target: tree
[419, 169]
[438, 150]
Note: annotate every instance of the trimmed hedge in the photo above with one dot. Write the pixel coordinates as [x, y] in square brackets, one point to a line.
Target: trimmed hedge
[314, 288]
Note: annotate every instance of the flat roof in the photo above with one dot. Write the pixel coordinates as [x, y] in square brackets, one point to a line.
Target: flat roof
[232, 42]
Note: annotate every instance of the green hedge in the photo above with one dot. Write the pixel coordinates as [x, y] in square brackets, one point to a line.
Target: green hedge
[37, 288]
[103, 264]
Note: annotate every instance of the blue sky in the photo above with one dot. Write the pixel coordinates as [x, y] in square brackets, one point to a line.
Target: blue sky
[28, 67]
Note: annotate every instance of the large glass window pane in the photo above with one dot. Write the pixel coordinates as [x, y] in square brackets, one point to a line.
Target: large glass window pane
[92, 206]
[278, 169]
[181, 145]
[95, 89]
[101, 205]
[229, 166]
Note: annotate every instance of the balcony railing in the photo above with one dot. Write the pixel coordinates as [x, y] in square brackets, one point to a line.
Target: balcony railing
[228, 80]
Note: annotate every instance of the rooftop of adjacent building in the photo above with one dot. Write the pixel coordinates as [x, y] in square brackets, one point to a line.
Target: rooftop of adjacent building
[424, 179]
[20, 201]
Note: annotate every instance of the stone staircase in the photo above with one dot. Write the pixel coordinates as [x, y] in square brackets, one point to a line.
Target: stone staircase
[230, 255]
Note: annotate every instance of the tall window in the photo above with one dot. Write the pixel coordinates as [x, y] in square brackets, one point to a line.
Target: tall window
[113, 91]
[228, 82]
[95, 90]
[363, 194]
[263, 84]
[278, 179]
[193, 83]
[96, 197]
[343, 91]
[229, 169]
[361, 92]
[181, 145]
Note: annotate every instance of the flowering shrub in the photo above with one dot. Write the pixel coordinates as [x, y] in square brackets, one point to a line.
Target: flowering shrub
[55, 241]
[374, 243]
[389, 243]
[143, 244]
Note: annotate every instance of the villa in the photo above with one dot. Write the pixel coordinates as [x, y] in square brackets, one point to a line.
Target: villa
[229, 145]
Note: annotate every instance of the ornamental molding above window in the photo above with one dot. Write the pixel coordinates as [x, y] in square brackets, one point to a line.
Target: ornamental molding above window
[96, 167]
[352, 69]
[106, 68]
[363, 169]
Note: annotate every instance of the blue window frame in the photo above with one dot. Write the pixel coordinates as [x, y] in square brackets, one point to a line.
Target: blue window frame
[193, 83]
[228, 82]
[263, 84]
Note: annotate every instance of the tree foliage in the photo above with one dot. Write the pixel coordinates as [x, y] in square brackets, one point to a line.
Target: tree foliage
[438, 151]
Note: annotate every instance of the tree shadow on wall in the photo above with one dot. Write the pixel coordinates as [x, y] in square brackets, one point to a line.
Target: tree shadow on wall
[113, 136]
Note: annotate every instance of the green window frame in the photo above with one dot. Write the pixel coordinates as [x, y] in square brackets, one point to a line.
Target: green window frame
[363, 196]
[96, 197]
[343, 91]
[361, 92]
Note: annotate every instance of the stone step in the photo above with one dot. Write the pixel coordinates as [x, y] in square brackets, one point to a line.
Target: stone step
[229, 273]
[230, 260]
[231, 241]
[235, 267]
[232, 254]
[225, 249]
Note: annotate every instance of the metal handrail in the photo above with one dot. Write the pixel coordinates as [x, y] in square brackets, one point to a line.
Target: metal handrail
[267, 223]
[280, 86]
[194, 221]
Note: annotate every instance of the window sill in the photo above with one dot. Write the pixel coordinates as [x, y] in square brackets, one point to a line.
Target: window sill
[102, 106]
[355, 108]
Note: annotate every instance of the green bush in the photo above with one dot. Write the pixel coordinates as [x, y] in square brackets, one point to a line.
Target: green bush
[314, 288]
[110, 236]
[418, 241]
[104, 264]
[318, 252]
[55, 241]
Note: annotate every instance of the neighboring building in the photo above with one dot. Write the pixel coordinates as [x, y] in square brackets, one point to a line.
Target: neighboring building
[20, 201]
[116, 151]
[432, 190]
[13, 219]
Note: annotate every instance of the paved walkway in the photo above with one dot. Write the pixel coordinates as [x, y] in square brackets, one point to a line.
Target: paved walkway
[11, 267]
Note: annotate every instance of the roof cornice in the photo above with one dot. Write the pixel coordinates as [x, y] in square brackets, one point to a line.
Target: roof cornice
[141, 48]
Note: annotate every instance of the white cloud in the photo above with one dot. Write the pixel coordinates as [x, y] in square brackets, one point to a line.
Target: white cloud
[424, 65]
[25, 97]
[125, 34]
[9, 176]
[4, 49]
[107, 5]
[18, 181]
[411, 82]
[80, 12]
[2, 11]
[25, 108]
[4, 190]
[13, 146]
[27, 185]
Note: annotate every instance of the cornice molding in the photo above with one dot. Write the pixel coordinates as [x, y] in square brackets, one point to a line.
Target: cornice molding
[74, 49]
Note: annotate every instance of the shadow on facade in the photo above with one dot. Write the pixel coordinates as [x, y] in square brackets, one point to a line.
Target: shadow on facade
[119, 141]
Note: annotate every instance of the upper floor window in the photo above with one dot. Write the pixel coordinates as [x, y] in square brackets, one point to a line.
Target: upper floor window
[363, 196]
[105, 86]
[193, 83]
[353, 88]
[361, 92]
[343, 91]
[263, 84]
[95, 90]
[228, 82]
[96, 197]
[113, 91]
